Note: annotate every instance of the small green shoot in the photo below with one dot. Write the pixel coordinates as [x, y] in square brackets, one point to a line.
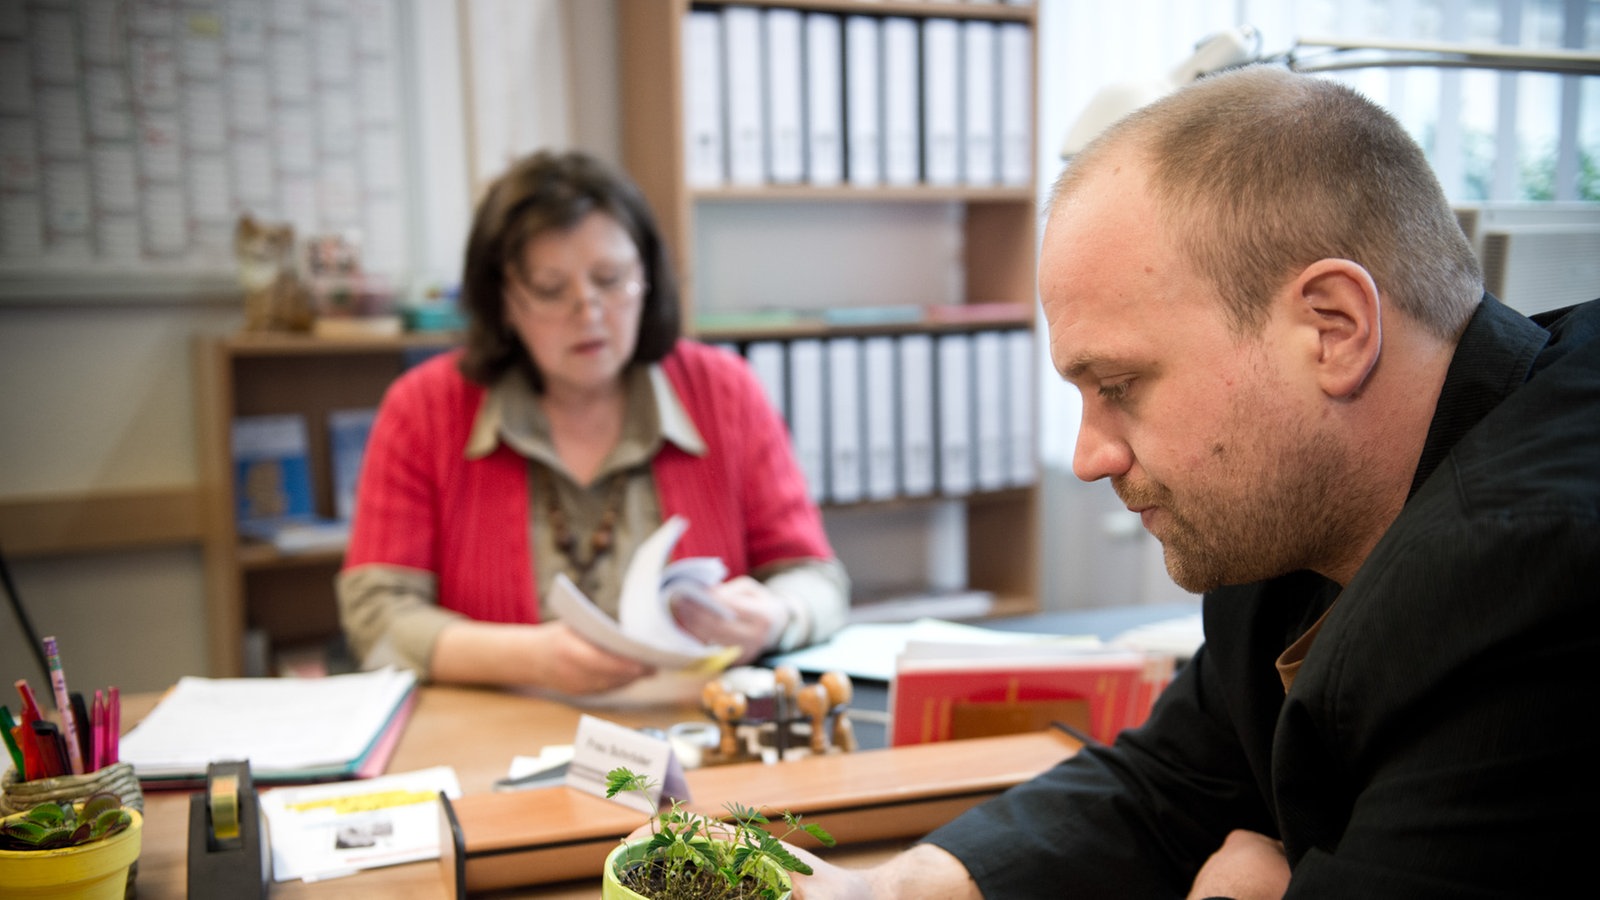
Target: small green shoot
[690, 855]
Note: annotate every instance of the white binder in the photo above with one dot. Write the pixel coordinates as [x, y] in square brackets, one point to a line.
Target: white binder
[806, 413]
[918, 477]
[785, 123]
[824, 73]
[902, 135]
[846, 469]
[879, 386]
[1016, 105]
[704, 145]
[766, 360]
[741, 47]
[954, 368]
[863, 111]
[941, 101]
[990, 378]
[1022, 380]
[980, 164]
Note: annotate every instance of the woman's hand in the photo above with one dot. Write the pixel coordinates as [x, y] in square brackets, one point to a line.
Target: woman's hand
[549, 655]
[1248, 866]
[572, 665]
[756, 617]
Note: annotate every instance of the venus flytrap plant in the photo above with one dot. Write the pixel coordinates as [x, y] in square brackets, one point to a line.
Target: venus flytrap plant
[695, 857]
[51, 825]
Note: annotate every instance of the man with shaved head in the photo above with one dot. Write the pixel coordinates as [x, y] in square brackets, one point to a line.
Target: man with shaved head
[1385, 482]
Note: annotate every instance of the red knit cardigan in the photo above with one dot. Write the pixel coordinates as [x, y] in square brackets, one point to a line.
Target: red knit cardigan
[423, 505]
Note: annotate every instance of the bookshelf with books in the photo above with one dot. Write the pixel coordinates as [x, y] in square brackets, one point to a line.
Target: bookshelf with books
[678, 59]
[272, 584]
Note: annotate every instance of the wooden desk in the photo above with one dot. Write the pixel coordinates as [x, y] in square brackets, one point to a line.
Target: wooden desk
[476, 732]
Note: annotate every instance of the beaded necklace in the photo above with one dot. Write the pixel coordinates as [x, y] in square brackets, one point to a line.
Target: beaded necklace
[603, 538]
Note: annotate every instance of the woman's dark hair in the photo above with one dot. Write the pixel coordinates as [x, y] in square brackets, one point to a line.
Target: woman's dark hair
[554, 191]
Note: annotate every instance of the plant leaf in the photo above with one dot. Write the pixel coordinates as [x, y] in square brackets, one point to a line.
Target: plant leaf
[774, 849]
[745, 814]
[99, 803]
[702, 854]
[818, 832]
[111, 821]
[49, 814]
[623, 779]
[24, 833]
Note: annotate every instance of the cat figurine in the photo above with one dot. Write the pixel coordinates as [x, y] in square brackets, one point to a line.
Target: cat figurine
[275, 298]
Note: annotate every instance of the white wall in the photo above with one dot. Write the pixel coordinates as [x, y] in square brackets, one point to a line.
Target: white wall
[98, 397]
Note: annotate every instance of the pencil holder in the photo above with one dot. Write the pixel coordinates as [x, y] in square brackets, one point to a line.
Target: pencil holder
[117, 778]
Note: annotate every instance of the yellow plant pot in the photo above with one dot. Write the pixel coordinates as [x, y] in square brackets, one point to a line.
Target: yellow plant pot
[612, 889]
[97, 871]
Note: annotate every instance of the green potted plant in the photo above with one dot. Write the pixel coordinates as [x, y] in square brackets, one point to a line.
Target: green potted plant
[79, 850]
[689, 856]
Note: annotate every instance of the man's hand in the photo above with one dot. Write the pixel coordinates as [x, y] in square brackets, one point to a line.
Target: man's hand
[924, 872]
[1248, 866]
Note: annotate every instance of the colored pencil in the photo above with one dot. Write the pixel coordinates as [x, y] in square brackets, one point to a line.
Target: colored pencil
[69, 729]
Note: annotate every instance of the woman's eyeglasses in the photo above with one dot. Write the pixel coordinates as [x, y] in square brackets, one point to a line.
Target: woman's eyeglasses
[612, 295]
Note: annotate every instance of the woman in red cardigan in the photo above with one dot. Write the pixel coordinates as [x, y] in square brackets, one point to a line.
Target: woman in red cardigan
[573, 423]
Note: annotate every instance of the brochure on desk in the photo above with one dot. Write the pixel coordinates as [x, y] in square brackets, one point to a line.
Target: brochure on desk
[292, 730]
[327, 830]
[644, 628]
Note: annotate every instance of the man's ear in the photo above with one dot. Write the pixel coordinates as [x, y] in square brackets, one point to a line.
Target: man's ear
[1341, 301]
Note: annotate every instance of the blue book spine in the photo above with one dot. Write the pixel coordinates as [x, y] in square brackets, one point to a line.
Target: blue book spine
[347, 438]
[272, 468]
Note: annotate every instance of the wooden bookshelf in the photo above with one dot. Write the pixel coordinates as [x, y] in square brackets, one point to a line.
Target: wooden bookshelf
[998, 235]
[250, 585]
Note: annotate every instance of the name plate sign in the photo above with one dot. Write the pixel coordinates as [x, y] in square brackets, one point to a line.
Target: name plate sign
[601, 746]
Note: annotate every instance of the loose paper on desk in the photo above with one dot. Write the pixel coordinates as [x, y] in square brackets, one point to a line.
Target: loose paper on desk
[328, 830]
[644, 628]
[602, 745]
[1178, 637]
[869, 650]
[288, 728]
[548, 768]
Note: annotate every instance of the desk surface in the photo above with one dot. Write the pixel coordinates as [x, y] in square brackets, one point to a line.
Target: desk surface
[502, 725]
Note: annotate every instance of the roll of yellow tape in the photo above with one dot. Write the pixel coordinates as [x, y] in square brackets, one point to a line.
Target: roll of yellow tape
[223, 798]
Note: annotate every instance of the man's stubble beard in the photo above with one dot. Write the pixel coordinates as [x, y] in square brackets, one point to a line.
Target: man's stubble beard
[1240, 527]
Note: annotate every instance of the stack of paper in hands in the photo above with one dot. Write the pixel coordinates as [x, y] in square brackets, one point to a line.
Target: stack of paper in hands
[644, 628]
[945, 690]
[290, 729]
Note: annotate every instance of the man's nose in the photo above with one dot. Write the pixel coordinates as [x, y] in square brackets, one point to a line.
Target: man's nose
[1100, 453]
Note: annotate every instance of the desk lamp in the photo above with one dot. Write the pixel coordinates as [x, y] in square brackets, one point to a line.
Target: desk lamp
[1242, 45]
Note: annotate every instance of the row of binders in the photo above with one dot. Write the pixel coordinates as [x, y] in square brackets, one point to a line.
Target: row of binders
[780, 96]
[908, 415]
